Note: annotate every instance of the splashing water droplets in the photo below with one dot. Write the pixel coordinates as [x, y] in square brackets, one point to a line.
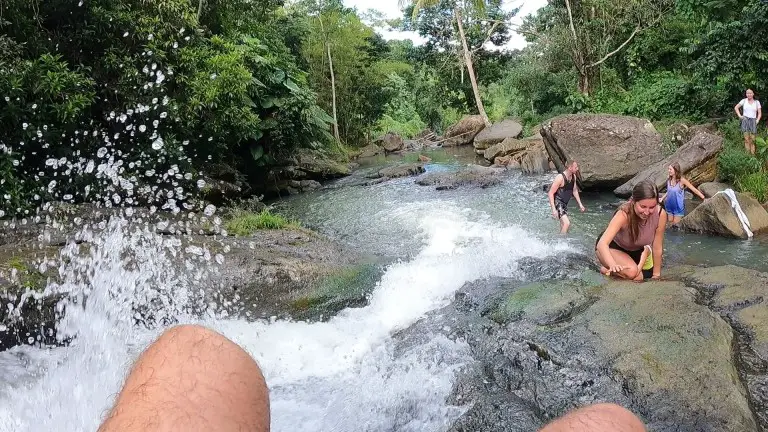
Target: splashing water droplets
[210, 209]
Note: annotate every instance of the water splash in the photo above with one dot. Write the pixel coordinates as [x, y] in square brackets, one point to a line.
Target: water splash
[127, 283]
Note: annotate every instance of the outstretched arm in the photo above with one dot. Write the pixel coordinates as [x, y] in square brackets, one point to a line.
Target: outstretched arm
[658, 244]
[693, 189]
[552, 191]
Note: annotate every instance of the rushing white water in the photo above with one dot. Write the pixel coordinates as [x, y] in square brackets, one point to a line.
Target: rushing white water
[344, 374]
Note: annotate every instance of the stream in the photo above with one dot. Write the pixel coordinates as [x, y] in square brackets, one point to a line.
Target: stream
[361, 370]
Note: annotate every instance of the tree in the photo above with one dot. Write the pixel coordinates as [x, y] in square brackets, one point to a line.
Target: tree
[596, 30]
[463, 14]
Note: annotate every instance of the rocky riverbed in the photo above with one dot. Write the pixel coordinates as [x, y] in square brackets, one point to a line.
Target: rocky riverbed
[685, 354]
[285, 273]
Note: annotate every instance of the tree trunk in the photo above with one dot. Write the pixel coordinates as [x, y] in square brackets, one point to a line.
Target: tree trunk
[584, 82]
[333, 97]
[333, 79]
[200, 9]
[470, 67]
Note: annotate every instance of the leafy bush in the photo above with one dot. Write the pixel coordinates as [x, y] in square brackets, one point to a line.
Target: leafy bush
[400, 114]
[755, 184]
[243, 223]
[733, 164]
[660, 95]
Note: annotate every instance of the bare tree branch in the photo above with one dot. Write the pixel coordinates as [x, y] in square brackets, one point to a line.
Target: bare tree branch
[488, 37]
[612, 53]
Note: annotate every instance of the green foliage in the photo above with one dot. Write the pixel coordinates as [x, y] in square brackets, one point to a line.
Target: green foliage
[755, 184]
[245, 223]
[734, 163]
[221, 89]
[400, 114]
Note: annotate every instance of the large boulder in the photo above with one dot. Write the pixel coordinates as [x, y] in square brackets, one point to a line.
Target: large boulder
[610, 149]
[534, 160]
[403, 170]
[741, 298]
[470, 176]
[716, 216]
[464, 131]
[548, 347]
[509, 147]
[709, 189]
[316, 166]
[497, 133]
[698, 157]
[370, 150]
[391, 142]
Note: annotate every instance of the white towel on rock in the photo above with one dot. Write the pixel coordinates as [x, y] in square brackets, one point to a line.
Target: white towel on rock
[739, 212]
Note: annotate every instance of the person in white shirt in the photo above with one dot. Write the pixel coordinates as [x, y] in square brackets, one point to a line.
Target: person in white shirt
[750, 118]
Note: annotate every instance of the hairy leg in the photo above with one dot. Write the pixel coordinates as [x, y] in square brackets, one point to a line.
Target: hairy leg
[597, 418]
[565, 224]
[192, 379]
[630, 267]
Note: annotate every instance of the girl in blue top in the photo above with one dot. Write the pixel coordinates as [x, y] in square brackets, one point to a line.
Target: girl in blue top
[674, 198]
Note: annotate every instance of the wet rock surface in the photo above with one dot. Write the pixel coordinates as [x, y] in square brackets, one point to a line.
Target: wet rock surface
[470, 176]
[287, 273]
[667, 350]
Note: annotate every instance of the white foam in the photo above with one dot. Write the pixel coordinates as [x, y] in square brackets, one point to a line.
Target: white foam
[342, 375]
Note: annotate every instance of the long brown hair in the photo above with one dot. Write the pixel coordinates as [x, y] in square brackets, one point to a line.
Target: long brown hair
[678, 171]
[643, 190]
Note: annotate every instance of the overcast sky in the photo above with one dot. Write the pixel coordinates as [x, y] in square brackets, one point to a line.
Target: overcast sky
[391, 9]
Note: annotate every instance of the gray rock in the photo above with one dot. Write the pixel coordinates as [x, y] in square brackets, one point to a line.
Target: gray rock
[702, 148]
[610, 149]
[497, 133]
[471, 176]
[390, 142]
[716, 216]
[709, 189]
[404, 170]
[463, 132]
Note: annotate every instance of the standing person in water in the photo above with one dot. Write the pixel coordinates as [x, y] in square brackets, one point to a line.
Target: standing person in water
[674, 197]
[750, 118]
[635, 231]
[563, 188]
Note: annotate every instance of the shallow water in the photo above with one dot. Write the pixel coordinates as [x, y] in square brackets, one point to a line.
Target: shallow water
[372, 217]
[344, 374]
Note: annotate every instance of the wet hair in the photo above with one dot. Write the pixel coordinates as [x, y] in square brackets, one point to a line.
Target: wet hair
[678, 171]
[643, 190]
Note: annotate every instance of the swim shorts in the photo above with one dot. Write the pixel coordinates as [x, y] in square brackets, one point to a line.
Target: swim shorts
[561, 207]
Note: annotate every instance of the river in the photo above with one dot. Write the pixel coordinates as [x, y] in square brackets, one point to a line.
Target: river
[353, 372]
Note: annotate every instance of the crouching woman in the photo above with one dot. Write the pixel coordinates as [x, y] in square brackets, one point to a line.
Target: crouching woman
[635, 231]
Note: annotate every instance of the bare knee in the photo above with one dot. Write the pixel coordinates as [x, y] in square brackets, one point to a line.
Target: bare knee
[631, 273]
[192, 377]
[604, 417]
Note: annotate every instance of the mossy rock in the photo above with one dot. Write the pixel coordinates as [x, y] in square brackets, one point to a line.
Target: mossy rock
[347, 287]
[549, 302]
